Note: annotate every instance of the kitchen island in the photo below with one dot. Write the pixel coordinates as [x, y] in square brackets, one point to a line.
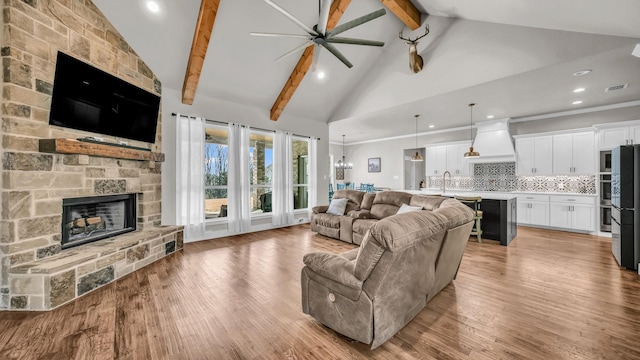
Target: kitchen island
[499, 212]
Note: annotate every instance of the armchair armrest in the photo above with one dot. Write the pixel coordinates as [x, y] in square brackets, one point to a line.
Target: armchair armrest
[360, 214]
[320, 209]
[333, 267]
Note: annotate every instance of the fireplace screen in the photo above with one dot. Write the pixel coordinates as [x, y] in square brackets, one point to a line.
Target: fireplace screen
[93, 218]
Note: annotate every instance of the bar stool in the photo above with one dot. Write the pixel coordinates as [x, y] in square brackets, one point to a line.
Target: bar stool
[474, 203]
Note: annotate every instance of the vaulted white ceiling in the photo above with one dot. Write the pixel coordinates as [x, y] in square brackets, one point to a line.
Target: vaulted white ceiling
[512, 57]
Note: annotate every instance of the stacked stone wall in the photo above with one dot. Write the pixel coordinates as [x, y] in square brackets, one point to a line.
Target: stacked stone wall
[33, 184]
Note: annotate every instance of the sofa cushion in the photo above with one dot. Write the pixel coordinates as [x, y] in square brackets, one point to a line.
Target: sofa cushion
[407, 208]
[395, 233]
[455, 212]
[354, 197]
[367, 201]
[428, 202]
[360, 226]
[327, 220]
[387, 203]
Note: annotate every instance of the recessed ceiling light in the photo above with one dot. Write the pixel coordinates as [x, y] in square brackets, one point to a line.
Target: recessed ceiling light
[582, 72]
[489, 116]
[578, 90]
[321, 75]
[153, 6]
[577, 102]
[431, 126]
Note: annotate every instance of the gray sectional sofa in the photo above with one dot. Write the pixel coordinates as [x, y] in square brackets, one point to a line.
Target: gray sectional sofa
[404, 260]
[363, 210]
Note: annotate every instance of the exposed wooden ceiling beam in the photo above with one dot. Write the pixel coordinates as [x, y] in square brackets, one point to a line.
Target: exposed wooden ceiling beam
[338, 7]
[405, 11]
[204, 27]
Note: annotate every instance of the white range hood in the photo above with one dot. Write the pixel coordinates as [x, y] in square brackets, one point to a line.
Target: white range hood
[493, 142]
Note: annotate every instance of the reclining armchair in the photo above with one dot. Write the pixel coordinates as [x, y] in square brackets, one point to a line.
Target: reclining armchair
[370, 293]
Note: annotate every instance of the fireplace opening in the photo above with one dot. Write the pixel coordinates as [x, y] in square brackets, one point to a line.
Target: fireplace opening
[94, 218]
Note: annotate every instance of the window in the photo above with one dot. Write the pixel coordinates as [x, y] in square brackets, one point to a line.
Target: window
[216, 164]
[300, 172]
[261, 171]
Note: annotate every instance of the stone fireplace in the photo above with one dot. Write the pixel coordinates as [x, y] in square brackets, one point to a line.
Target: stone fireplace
[92, 218]
[43, 166]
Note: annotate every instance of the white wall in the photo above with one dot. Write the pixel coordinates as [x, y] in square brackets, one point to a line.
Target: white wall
[391, 153]
[220, 110]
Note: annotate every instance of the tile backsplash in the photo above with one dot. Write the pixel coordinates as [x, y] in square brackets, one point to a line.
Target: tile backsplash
[502, 177]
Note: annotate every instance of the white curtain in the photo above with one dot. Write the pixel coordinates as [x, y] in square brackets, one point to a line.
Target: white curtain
[313, 173]
[190, 176]
[239, 188]
[282, 199]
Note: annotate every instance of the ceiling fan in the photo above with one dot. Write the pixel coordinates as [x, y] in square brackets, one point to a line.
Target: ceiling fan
[319, 36]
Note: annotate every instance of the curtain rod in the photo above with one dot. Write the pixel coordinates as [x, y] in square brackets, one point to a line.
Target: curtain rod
[226, 123]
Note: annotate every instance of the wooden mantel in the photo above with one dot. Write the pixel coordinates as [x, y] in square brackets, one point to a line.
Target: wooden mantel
[72, 146]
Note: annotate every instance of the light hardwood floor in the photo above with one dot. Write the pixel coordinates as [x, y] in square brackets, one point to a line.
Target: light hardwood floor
[549, 295]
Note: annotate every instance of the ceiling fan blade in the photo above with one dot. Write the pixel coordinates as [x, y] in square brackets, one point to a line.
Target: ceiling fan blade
[338, 54]
[342, 40]
[355, 22]
[279, 35]
[324, 16]
[291, 17]
[299, 48]
[316, 57]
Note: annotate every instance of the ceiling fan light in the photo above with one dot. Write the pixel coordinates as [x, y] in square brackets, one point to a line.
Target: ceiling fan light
[471, 153]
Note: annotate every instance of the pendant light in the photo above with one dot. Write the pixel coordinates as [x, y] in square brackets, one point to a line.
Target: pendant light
[342, 163]
[471, 153]
[417, 156]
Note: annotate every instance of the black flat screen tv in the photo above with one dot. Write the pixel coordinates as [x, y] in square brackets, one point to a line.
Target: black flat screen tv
[89, 99]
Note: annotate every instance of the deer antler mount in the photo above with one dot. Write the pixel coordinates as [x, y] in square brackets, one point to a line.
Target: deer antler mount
[415, 60]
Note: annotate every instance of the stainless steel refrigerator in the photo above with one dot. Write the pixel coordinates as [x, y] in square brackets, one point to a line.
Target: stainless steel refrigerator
[625, 205]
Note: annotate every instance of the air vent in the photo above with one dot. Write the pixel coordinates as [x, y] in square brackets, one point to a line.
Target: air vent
[616, 87]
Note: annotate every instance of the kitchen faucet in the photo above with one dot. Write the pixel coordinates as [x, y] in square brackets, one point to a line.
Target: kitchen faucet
[444, 181]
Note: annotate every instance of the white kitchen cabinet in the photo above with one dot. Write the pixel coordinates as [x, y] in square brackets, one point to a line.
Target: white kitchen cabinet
[533, 210]
[436, 157]
[457, 164]
[612, 136]
[574, 154]
[575, 213]
[634, 135]
[534, 156]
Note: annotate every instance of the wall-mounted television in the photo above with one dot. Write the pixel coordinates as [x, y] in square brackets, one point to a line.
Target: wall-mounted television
[89, 99]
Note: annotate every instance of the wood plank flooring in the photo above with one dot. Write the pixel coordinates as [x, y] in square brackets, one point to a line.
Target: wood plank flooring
[548, 295]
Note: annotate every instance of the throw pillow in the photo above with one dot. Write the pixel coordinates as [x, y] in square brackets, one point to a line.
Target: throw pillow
[406, 208]
[337, 206]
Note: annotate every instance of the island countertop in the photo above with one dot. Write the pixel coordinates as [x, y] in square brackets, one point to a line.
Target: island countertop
[491, 195]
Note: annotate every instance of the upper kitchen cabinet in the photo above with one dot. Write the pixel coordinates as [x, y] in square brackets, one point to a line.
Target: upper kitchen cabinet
[534, 155]
[436, 158]
[616, 134]
[447, 157]
[457, 164]
[574, 154]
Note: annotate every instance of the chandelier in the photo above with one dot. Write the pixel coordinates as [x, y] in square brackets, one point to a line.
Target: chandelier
[342, 163]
